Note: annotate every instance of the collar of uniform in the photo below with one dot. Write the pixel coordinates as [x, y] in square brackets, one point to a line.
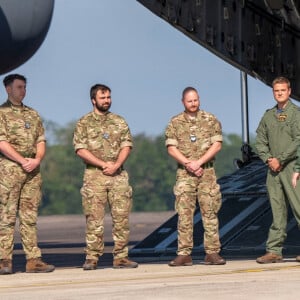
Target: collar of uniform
[188, 118]
[8, 103]
[100, 117]
[288, 104]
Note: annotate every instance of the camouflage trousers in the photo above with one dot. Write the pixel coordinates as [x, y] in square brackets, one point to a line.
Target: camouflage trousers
[20, 193]
[188, 190]
[97, 191]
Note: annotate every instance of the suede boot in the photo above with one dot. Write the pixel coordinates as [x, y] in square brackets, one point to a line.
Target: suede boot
[5, 266]
[90, 264]
[36, 265]
[124, 263]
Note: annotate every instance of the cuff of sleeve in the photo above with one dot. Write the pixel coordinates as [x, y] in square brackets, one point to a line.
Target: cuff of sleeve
[126, 144]
[171, 142]
[265, 158]
[217, 138]
[80, 146]
[281, 160]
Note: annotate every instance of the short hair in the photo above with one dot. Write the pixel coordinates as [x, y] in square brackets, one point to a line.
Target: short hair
[187, 90]
[95, 88]
[281, 79]
[9, 79]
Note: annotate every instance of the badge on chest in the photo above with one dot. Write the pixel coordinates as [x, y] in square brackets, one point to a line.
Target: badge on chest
[281, 117]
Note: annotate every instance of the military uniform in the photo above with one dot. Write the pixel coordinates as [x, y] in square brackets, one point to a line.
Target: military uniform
[297, 163]
[21, 126]
[193, 137]
[278, 136]
[104, 136]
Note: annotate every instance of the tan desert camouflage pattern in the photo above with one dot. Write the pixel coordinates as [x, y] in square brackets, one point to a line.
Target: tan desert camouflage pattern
[22, 127]
[205, 128]
[105, 136]
[97, 191]
[102, 135]
[188, 188]
[20, 192]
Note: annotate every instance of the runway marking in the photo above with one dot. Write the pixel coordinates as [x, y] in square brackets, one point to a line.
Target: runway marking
[140, 277]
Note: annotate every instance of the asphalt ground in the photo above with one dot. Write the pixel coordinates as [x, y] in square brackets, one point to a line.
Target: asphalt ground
[62, 241]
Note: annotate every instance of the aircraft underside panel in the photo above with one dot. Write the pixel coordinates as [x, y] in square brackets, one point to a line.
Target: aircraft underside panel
[259, 37]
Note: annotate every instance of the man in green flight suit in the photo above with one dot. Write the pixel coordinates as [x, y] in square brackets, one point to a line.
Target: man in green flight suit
[278, 136]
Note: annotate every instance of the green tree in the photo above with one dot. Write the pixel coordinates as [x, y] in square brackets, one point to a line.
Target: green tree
[62, 175]
[152, 174]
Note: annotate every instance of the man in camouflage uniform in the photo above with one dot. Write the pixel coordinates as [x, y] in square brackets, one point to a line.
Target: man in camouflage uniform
[193, 138]
[103, 141]
[278, 136]
[22, 148]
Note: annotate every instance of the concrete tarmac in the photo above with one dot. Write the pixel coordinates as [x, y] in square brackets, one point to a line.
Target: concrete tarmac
[62, 242]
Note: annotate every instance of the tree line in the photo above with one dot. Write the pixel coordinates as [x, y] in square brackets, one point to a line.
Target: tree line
[151, 171]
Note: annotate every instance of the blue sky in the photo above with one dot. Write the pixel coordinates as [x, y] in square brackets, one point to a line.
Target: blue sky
[146, 62]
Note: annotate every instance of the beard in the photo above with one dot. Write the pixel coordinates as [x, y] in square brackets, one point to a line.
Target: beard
[192, 109]
[103, 108]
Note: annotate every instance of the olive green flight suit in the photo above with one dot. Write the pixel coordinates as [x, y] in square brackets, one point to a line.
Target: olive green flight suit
[297, 164]
[278, 136]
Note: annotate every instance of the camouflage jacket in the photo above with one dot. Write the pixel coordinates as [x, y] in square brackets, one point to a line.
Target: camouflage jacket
[193, 137]
[22, 127]
[103, 135]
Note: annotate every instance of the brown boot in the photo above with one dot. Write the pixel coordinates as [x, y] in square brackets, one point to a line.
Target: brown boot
[124, 263]
[36, 265]
[298, 258]
[181, 260]
[5, 266]
[214, 259]
[269, 258]
[90, 264]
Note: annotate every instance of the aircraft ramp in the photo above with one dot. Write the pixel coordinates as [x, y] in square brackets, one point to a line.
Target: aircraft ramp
[244, 220]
